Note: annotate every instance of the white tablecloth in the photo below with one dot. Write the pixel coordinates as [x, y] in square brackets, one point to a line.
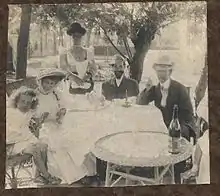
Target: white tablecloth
[85, 128]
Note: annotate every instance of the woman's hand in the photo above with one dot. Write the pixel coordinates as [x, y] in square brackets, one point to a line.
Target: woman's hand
[87, 77]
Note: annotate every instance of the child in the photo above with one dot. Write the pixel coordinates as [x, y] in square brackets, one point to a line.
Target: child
[61, 159]
[23, 102]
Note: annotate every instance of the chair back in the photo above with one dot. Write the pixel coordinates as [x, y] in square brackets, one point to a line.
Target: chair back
[12, 85]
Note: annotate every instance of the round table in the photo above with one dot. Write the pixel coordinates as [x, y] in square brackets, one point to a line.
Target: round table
[139, 149]
[86, 126]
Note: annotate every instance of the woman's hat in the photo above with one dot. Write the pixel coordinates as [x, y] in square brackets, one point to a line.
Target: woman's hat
[163, 63]
[51, 72]
[119, 63]
[76, 28]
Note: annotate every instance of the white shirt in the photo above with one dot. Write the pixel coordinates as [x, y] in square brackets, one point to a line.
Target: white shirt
[164, 91]
[118, 81]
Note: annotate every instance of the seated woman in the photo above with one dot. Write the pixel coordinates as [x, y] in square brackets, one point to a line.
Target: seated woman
[201, 161]
[63, 157]
[21, 107]
[78, 60]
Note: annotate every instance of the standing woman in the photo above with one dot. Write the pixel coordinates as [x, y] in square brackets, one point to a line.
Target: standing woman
[79, 60]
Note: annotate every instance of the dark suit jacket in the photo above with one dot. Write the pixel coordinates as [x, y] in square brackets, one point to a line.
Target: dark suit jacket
[110, 90]
[177, 94]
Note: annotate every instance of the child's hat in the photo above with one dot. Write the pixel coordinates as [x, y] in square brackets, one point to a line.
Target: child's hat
[51, 72]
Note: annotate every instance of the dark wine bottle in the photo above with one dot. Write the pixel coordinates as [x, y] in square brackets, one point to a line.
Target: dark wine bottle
[174, 132]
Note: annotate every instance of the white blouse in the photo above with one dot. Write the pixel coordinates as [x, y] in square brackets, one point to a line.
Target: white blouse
[76, 66]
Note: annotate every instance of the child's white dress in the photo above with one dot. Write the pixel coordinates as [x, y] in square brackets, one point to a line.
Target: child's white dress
[17, 130]
[62, 155]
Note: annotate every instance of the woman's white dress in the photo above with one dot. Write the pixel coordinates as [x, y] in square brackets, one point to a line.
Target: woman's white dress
[204, 168]
[203, 142]
[80, 67]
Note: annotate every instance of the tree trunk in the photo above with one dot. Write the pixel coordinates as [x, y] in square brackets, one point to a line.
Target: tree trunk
[136, 67]
[202, 85]
[54, 43]
[41, 41]
[10, 66]
[29, 51]
[89, 32]
[142, 45]
[61, 37]
[46, 39]
[22, 43]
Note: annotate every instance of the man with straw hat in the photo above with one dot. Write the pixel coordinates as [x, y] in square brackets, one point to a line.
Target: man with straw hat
[120, 86]
[165, 95]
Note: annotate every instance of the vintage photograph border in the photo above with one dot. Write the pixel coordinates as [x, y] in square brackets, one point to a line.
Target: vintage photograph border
[213, 29]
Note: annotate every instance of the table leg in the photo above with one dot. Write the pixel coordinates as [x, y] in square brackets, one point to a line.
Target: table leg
[156, 174]
[127, 180]
[107, 176]
[172, 174]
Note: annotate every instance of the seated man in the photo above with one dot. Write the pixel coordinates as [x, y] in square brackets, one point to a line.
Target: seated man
[165, 95]
[117, 87]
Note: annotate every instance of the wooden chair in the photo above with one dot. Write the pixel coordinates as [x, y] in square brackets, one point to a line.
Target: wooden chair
[14, 164]
[12, 85]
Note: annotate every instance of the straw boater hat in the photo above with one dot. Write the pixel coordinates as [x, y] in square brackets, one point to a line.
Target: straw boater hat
[51, 72]
[119, 63]
[163, 63]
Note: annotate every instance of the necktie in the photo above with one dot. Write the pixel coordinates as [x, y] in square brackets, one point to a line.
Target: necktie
[164, 93]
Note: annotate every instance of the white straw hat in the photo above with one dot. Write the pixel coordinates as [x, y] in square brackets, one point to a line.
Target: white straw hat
[164, 63]
[51, 72]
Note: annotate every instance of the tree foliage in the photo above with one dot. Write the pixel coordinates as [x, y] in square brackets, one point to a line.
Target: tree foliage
[134, 22]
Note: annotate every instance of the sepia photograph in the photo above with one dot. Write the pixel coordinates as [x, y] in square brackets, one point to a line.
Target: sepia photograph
[107, 95]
